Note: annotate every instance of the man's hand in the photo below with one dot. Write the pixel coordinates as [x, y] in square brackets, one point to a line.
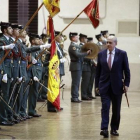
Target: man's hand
[62, 60]
[45, 46]
[125, 89]
[11, 46]
[4, 78]
[97, 90]
[34, 61]
[19, 79]
[89, 52]
[36, 79]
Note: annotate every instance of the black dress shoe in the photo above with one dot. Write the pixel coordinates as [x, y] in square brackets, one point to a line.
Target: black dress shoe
[40, 100]
[28, 117]
[13, 120]
[7, 123]
[23, 118]
[91, 97]
[52, 110]
[114, 133]
[97, 94]
[86, 98]
[44, 97]
[104, 133]
[61, 108]
[76, 100]
[36, 115]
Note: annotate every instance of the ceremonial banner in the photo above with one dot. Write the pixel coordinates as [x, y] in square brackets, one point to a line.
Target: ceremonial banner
[54, 82]
[54, 78]
[92, 11]
[52, 6]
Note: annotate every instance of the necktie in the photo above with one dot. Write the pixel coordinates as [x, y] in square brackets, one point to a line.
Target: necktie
[109, 60]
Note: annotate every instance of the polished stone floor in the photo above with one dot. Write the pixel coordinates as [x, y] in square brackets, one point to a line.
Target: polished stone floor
[76, 122]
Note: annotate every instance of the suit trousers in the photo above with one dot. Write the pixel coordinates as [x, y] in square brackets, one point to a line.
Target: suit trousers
[107, 99]
[76, 76]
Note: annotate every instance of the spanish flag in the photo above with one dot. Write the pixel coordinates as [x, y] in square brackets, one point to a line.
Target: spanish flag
[54, 78]
[92, 11]
[52, 6]
[54, 82]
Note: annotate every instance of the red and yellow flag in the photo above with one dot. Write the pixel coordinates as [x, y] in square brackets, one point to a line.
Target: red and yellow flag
[92, 11]
[52, 6]
[54, 82]
[54, 78]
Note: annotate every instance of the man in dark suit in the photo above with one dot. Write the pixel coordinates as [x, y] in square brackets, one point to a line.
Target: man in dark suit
[112, 67]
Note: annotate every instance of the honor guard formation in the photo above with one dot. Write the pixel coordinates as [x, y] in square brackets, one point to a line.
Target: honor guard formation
[23, 74]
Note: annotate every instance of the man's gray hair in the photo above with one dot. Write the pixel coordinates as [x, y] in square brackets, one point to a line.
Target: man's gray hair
[113, 38]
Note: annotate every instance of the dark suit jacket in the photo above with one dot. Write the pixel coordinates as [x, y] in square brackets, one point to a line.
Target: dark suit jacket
[106, 77]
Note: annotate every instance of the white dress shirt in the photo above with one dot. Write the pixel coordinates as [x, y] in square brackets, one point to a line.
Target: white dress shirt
[20, 39]
[13, 38]
[112, 56]
[100, 43]
[7, 37]
[75, 43]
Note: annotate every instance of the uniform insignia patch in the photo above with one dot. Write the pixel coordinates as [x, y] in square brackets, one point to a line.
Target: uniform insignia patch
[74, 48]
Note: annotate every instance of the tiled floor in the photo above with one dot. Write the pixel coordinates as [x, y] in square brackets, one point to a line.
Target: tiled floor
[76, 122]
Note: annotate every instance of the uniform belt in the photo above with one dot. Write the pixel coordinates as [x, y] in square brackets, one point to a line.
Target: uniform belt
[9, 60]
[86, 63]
[22, 61]
[75, 61]
[38, 64]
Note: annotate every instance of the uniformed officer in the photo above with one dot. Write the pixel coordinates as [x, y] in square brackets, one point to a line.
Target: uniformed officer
[45, 62]
[76, 58]
[40, 99]
[99, 38]
[60, 54]
[6, 69]
[15, 73]
[93, 71]
[23, 67]
[35, 73]
[86, 70]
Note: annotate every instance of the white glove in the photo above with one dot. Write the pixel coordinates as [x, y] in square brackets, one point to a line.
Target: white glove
[20, 79]
[11, 46]
[34, 61]
[35, 78]
[4, 78]
[45, 46]
[62, 60]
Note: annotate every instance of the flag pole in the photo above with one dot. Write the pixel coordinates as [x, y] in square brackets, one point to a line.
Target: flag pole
[27, 24]
[40, 54]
